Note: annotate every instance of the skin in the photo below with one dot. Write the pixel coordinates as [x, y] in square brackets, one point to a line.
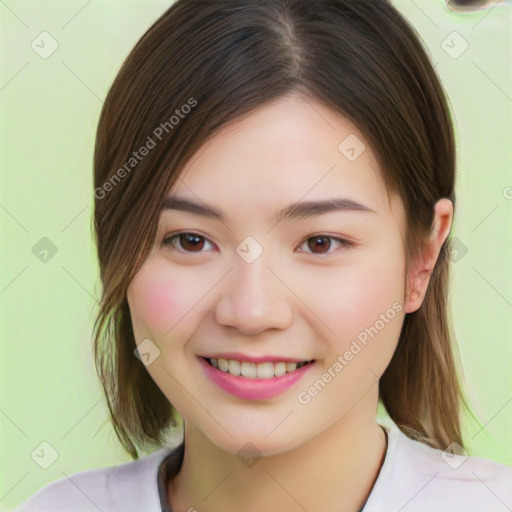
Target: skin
[291, 301]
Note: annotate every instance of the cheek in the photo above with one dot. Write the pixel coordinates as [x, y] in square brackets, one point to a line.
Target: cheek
[153, 304]
[369, 292]
[161, 304]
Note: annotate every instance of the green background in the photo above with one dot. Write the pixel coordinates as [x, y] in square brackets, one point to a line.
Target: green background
[50, 107]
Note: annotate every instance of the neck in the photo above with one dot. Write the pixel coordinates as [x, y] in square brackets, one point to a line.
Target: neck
[336, 470]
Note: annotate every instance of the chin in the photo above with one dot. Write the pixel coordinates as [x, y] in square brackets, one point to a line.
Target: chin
[251, 443]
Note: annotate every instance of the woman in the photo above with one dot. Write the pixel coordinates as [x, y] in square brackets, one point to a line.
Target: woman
[274, 193]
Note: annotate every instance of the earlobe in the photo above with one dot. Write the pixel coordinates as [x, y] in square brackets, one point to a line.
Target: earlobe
[415, 296]
[422, 268]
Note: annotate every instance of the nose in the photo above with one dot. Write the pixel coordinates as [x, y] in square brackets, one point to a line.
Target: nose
[254, 298]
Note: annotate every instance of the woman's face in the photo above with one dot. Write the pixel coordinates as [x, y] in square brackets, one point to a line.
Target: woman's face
[321, 282]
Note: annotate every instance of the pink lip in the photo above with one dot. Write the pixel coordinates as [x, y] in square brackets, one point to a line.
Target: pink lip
[252, 389]
[260, 359]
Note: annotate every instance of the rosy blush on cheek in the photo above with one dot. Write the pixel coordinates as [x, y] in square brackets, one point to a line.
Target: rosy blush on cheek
[157, 305]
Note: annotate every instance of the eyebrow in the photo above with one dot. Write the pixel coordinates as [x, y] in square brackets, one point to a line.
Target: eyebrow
[299, 210]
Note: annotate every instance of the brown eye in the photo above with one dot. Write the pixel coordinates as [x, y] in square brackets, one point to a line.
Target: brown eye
[322, 244]
[319, 244]
[191, 242]
[186, 242]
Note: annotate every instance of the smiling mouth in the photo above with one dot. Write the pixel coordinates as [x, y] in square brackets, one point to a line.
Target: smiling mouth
[249, 370]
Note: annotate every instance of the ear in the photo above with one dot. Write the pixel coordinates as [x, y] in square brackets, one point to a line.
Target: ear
[422, 267]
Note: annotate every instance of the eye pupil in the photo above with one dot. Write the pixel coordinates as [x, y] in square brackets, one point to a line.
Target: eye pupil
[189, 241]
[319, 242]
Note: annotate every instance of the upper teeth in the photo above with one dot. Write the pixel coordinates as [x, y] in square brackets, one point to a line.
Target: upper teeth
[265, 370]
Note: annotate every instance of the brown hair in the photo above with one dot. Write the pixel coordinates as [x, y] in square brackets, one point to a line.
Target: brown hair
[223, 59]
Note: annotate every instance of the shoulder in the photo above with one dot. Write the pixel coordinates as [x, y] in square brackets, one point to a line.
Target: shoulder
[418, 478]
[128, 486]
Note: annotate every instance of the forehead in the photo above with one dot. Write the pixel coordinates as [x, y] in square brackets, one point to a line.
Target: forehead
[288, 150]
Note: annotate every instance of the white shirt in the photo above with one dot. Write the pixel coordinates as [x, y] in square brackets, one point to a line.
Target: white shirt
[414, 478]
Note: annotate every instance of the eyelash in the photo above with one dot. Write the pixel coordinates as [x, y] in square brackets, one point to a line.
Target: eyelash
[168, 242]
